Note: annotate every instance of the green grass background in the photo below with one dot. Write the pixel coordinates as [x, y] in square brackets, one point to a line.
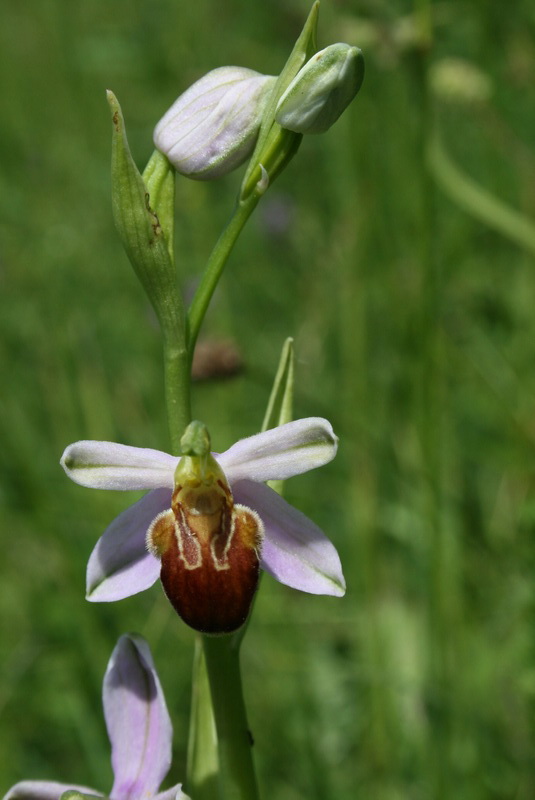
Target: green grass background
[414, 329]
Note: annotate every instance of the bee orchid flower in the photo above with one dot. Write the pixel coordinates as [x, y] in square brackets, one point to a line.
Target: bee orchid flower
[139, 729]
[210, 498]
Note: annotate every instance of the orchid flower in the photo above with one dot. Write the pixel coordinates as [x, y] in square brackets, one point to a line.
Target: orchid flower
[139, 729]
[293, 549]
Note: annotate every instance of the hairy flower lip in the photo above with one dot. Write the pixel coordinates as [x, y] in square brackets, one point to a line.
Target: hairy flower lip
[296, 552]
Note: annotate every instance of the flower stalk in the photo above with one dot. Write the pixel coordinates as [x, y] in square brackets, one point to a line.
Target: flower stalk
[236, 768]
[203, 758]
[216, 264]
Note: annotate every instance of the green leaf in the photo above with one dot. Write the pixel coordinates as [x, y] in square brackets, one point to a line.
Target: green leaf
[279, 409]
[280, 405]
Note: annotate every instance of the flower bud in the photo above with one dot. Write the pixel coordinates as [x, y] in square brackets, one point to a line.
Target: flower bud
[321, 90]
[212, 128]
[209, 547]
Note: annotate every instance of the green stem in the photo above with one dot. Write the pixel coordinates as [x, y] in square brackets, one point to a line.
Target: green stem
[220, 765]
[216, 264]
[236, 768]
[177, 389]
[203, 762]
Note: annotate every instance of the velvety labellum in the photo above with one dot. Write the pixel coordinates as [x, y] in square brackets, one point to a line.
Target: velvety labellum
[209, 550]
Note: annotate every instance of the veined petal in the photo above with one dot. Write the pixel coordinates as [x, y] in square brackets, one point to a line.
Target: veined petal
[281, 452]
[295, 551]
[120, 565]
[106, 465]
[44, 790]
[137, 719]
[212, 127]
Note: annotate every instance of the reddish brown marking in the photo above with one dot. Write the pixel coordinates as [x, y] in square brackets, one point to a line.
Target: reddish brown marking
[209, 599]
[225, 488]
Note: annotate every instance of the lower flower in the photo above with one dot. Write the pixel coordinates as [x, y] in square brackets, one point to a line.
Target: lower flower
[139, 729]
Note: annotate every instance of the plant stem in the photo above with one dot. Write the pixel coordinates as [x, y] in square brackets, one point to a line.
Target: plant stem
[236, 768]
[177, 389]
[216, 264]
[203, 762]
[220, 765]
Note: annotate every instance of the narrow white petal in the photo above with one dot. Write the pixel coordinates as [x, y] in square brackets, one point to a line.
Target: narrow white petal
[106, 465]
[281, 452]
[295, 551]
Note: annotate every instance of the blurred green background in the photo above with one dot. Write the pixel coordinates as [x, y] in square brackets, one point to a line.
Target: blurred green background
[410, 294]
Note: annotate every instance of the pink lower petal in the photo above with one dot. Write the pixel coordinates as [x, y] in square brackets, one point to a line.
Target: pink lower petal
[295, 551]
[120, 565]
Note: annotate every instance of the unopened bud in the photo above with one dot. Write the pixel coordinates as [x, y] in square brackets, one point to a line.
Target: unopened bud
[212, 128]
[321, 90]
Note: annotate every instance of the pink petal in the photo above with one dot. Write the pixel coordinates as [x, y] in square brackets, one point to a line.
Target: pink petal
[295, 551]
[137, 719]
[120, 565]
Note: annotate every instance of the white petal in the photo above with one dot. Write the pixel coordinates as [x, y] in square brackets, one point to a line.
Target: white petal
[295, 551]
[120, 565]
[106, 465]
[281, 452]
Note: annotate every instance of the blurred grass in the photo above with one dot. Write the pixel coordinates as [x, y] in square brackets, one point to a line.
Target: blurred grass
[414, 333]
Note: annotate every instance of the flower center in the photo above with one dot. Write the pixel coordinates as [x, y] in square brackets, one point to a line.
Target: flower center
[209, 547]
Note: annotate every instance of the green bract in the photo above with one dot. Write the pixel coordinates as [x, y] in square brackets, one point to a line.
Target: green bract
[321, 90]
[140, 205]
